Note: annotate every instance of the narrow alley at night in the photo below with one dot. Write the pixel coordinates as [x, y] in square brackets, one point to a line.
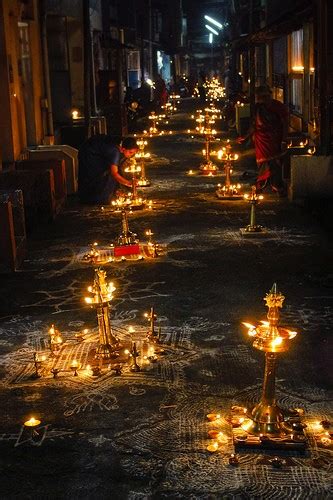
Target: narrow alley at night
[166, 269]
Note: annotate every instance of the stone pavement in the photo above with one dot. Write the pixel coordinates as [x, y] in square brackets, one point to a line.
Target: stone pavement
[145, 435]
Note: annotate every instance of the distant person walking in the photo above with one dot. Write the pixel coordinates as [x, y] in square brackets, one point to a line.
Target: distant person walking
[202, 87]
[160, 93]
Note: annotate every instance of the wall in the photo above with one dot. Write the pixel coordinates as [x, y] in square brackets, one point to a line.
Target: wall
[14, 115]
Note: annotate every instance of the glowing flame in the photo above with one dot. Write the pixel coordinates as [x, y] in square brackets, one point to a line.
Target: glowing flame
[277, 341]
[251, 328]
[32, 422]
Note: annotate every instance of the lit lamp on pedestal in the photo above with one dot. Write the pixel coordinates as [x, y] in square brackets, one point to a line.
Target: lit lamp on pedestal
[153, 130]
[122, 200]
[152, 318]
[267, 425]
[141, 157]
[168, 109]
[31, 426]
[75, 366]
[136, 202]
[127, 243]
[126, 236]
[153, 247]
[200, 122]
[39, 360]
[101, 296]
[228, 191]
[134, 355]
[208, 167]
[153, 118]
[93, 254]
[126, 246]
[55, 340]
[253, 228]
[174, 100]
[153, 335]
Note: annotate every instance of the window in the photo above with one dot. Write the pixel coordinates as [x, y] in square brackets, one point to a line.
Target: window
[297, 62]
[297, 94]
[297, 69]
[133, 60]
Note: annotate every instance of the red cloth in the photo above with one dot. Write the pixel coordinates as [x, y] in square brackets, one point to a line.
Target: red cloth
[268, 130]
[124, 250]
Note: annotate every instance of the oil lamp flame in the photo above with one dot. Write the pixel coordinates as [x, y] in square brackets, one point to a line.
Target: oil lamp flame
[32, 422]
[277, 341]
[251, 328]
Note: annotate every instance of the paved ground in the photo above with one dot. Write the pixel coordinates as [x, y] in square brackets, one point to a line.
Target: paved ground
[145, 435]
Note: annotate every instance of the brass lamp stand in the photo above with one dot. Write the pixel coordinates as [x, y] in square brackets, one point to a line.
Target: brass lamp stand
[228, 191]
[267, 425]
[101, 296]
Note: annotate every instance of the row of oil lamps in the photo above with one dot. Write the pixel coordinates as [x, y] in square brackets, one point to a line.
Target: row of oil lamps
[230, 191]
[265, 426]
[205, 126]
[214, 91]
[101, 292]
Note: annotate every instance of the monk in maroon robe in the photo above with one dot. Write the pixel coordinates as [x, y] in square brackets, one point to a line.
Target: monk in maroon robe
[269, 133]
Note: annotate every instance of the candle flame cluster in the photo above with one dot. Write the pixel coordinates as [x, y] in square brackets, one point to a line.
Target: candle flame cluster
[155, 119]
[101, 291]
[295, 144]
[228, 190]
[270, 337]
[142, 143]
[253, 196]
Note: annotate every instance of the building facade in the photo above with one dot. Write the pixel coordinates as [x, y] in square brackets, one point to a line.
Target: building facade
[23, 99]
[287, 45]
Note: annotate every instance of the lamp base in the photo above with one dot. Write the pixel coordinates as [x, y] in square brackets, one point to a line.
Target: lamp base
[208, 168]
[144, 182]
[267, 427]
[254, 231]
[228, 197]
